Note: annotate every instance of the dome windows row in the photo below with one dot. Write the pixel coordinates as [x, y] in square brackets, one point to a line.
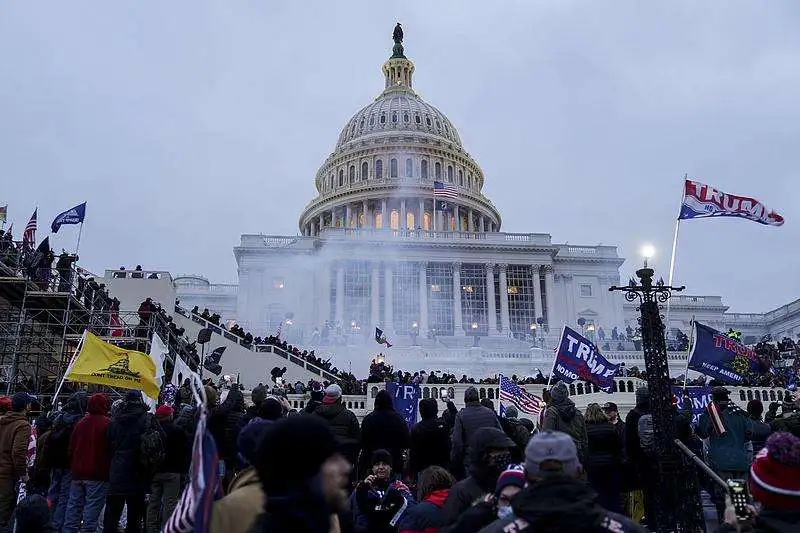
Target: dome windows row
[351, 176]
[397, 118]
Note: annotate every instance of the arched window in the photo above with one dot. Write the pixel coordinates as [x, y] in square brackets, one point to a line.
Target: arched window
[410, 220]
[361, 124]
[331, 181]
[469, 180]
[409, 167]
[393, 168]
[438, 126]
[364, 171]
[378, 169]
[437, 170]
[417, 119]
[428, 121]
[450, 173]
[406, 118]
[426, 221]
[461, 178]
[352, 174]
[372, 120]
[394, 118]
[394, 220]
[383, 118]
[378, 220]
[341, 177]
[424, 169]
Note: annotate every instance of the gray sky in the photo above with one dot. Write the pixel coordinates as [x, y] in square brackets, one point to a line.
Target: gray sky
[186, 123]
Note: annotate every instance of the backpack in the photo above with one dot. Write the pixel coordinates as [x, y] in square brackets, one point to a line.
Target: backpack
[151, 446]
[646, 438]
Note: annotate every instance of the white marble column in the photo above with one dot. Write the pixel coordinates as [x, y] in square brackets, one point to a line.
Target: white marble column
[457, 217]
[403, 222]
[420, 221]
[549, 289]
[504, 321]
[375, 293]
[384, 214]
[470, 222]
[340, 294]
[347, 215]
[537, 293]
[364, 214]
[321, 222]
[482, 222]
[458, 322]
[423, 298]
[490, 300]
[388, 286]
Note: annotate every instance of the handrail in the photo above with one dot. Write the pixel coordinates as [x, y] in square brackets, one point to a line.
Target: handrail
[325, 374]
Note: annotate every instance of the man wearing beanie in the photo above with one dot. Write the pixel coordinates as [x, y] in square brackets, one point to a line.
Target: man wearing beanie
[342, 422]
[301, 494]
[237, 512]
[380, 499]
[556, 498]
[774, 482]
[468, 421]
[15, 434]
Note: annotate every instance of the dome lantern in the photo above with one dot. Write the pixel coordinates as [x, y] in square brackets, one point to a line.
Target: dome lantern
[398, 69]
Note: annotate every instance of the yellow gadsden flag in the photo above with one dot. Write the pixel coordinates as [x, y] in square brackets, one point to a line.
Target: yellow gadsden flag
[105, 364]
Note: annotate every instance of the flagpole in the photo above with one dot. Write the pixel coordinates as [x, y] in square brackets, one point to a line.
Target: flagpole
[688, 355]
[78, 244]
[434, 209]
[69, 368]
[672, 256]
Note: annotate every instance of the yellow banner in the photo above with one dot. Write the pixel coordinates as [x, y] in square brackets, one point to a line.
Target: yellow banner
[105, 364]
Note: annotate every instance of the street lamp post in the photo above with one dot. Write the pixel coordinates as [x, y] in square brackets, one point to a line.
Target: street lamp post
[675, 496]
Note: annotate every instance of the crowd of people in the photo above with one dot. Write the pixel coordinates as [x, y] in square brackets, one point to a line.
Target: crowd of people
[99, 465]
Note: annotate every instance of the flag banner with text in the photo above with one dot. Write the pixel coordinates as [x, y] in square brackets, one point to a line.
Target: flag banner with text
[718, 356]
[74, 215]
[405, 399]
[578, 358]
[105, 364]
[699, 397]
[703, 201]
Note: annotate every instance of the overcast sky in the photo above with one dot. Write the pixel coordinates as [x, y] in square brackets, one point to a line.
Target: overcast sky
[186, 123]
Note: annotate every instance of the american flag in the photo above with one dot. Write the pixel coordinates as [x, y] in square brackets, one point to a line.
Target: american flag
[29, 235]
[444, 190]
[510, 393]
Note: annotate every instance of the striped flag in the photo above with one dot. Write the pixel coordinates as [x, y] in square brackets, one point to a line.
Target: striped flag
[444, 190]
[29, 235]
[513, 394]
[3, 212]
[32, 447]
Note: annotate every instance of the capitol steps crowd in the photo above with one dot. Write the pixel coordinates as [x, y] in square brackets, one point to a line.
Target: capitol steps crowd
[103, 466]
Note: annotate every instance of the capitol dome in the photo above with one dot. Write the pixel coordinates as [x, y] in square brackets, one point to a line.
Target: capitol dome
[387, 161]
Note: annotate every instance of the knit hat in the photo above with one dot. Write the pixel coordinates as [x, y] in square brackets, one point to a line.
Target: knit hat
[513, 476]
[332, 393]
[553, 447]
[249, 438]
[559, 393]
[511, 412]
[133, 396]
[20, 401]
[307, 439]
[755, 407]
[5, 404]
[775, 473]
[164, 411]
[381, 456]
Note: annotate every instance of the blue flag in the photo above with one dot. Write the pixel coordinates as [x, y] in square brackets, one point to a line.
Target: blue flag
[405, 399]
[700, 397]
[579, 359]
[720, 357]
[70, 216]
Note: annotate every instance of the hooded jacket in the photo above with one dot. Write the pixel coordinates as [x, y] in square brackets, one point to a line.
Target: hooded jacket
[57, 449]
[430, 440]
[89, 447]
[728, 451]
[468, 421]
[426, 516]
[343, 423]
[561, 505]
[15, 434]
[124, 433]
[564, 416]
[384, 428]
[482, 478]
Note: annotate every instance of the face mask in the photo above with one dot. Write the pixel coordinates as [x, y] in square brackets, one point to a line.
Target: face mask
[500, 461]
[504, 512]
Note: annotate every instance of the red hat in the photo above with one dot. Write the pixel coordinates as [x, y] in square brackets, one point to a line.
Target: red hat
[164, 411]
[775, 473]
[5, 404]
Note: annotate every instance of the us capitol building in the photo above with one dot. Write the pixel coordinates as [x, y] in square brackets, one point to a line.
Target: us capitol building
[450, 290]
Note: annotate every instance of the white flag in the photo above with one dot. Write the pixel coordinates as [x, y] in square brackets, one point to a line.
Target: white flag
[181, 372]
[158, 352]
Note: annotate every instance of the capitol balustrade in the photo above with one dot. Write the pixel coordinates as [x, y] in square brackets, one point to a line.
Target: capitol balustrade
[581, 393]
[537, 239]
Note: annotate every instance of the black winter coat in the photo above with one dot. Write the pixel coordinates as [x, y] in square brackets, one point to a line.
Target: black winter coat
[430, 445]
[469, 420]
[177, 450]
[344, 426]
[224, 423]
[124, 433]
[605, 447]
[383, 429]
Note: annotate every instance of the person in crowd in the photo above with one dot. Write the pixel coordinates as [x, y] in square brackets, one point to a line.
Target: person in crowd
[612, 412]
[33, 515]
[342, 422]
[426, 516]
[509, 484]
[761, 431]
[471, 418]
[90, 459]
[556, 499]
[789, 420]
[380, 498]
[57, 455]
[15, 434]
[224, 423]
[516, 431]
[237, 512]
[384, 429]
[728, 429]
[490, 454]
[257, 396]
[134, 435]
[639, 466]
[301, 496]
[772, 412]
[166, 487]
[604, 458]
[430, 440]
[39, 476]
[774, 483]
[563, 416]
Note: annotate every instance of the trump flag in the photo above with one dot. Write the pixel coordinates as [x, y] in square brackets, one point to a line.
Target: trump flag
[74, 215]
[405, 399]
[718, 356]
[578, 358]
[703, 201]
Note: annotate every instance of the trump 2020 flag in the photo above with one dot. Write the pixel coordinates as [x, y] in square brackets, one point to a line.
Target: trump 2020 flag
[578, 358]
[74, 215]
[699, 398]
[718, 356]
[405, 399]
[703, 201]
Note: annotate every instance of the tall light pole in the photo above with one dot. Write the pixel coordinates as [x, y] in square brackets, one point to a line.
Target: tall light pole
[675, 498]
